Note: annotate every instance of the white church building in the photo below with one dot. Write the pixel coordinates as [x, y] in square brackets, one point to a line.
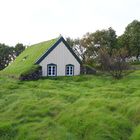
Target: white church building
[59, 60]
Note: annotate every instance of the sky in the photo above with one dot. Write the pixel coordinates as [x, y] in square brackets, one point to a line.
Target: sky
[33, 21]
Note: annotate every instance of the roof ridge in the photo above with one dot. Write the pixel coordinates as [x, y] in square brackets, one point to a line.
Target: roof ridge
[55, 45]
[44, 41]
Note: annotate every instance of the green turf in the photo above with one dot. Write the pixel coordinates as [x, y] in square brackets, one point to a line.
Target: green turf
[71, 108]
[25, 61]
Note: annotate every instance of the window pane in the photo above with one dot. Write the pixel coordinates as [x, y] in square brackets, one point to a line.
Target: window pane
[52, 70]
[49, 70]
[69, 70]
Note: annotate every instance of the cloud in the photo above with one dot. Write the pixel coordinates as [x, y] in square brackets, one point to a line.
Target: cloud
[32, 21]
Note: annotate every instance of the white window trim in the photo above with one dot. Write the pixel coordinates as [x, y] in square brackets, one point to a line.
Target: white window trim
[69, 67]
[51, 66]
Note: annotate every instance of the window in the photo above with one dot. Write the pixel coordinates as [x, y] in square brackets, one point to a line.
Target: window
[51, 70]
[69, 70]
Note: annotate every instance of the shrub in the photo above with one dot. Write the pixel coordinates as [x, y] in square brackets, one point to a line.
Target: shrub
[113, 63]
[33, 74]
[86, 69]
[135, 63]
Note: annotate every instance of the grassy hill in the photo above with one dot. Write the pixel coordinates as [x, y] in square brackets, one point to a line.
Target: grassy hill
[71, 108]
[26, 60]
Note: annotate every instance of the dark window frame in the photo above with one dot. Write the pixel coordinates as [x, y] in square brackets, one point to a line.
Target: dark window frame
[52, 64]
[69, 65]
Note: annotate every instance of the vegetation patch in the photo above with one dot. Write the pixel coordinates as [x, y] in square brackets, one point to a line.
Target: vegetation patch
[83, 107]
[26, 60]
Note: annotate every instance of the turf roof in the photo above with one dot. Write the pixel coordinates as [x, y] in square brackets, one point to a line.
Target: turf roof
[26, 60]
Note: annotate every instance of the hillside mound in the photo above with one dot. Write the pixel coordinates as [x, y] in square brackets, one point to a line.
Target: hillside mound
[26, 60]
[70, 108]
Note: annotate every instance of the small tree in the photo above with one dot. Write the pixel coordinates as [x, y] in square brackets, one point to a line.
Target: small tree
[131, 39]
[78, 48]
[19, 48]
[6, 55]
[115, 63]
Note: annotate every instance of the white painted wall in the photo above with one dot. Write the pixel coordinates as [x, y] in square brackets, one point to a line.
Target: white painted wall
[60, 56]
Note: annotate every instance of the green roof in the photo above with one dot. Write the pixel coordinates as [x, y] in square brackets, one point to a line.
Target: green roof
[26, 60]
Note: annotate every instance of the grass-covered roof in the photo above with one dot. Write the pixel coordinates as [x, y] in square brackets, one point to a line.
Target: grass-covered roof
[26, 60]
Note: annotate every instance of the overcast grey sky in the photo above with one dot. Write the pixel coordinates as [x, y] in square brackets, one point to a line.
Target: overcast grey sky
[32, 21]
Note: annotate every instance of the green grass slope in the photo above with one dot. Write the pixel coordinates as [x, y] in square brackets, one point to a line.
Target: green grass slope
[25, 61]
[71, 108]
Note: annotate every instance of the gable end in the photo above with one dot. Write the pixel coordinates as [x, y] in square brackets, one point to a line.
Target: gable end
[54, 46]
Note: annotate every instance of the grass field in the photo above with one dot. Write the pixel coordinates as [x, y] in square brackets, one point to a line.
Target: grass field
[71, 108]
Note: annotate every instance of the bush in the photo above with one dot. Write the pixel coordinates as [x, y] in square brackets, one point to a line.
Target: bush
[33, 74]
[113, 63]
[135, 63]
[86, 69]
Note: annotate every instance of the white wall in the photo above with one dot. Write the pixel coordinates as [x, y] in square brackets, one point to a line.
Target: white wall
[60, 56]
